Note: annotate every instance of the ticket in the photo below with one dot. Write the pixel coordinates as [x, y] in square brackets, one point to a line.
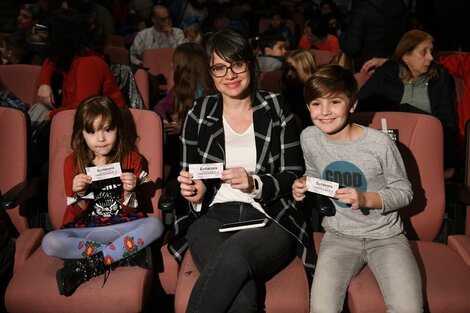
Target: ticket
[206, 171]
[106, 171]
[321, 186]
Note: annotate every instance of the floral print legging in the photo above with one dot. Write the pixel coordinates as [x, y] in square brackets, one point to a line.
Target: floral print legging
[116, 241]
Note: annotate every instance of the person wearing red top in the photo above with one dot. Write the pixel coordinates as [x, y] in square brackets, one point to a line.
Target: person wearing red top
[316, 37]
[73, 56]
[105, 223]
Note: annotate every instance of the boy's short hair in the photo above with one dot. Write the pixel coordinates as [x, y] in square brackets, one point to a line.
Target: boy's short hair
[269, 40]
[331, 79]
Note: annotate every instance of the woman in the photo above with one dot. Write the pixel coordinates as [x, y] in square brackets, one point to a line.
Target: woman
[72, 56]
[411, 81]
[255, 138]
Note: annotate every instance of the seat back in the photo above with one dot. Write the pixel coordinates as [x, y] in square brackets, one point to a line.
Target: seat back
[159, 61]
[322, 57]
[117, 55]
[117, 41]
[421, 147]
[142, 81]
[271, 81]
[21, 80]
[145, 123]
[14, 152]
[361, 79]
[467, 174]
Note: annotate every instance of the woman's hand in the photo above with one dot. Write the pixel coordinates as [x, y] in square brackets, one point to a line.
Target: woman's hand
[80, 184]
[351, 196]
[45, 95]
[129, 181]
[238, 178]
[370, 66]
[191, 190]
[299, 188]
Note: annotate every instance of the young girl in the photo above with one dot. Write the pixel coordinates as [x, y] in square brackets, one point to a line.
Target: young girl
[105, 222]
[190, 77]
[366, 228]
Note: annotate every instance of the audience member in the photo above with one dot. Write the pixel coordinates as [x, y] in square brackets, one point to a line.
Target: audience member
[71, 56]
[277, 24]
[161, 35]
[190, 14]
[15, 50]
[364, 226]
[300, 65]
[316, 36]
[374, 29]
[138, 18]
[236, 127]
[272, 51]
[190, 83]
[412, 81]
[117, 205]
[193, 35]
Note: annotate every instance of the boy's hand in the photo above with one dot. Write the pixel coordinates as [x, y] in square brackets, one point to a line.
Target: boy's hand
[45, 95]
[191, 190]
[299, 188]
[129, 181]
[351, 196]
[80, 184]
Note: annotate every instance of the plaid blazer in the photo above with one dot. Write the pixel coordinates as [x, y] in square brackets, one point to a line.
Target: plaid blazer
[279, 163]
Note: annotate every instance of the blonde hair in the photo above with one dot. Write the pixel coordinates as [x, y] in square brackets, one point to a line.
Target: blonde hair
[304, 63]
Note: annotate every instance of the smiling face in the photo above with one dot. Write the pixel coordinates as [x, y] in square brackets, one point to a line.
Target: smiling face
[231, 84]
[101, 140]
[420, 58]
[330, 113]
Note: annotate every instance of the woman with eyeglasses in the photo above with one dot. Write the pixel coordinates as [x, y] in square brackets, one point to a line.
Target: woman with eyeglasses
[254, 136]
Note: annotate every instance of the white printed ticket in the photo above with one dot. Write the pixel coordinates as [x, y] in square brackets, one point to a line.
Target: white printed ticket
[206, 171]
[323, 187]
[106, 171]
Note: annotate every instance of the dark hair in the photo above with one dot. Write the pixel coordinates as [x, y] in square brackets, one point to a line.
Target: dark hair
[331, 79]
[69, 35]
[318, 26]
[31, 8]
[269, 40]
[87, 112]
[232, 46]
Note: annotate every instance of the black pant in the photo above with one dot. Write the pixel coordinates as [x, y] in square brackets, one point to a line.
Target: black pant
[230, 263]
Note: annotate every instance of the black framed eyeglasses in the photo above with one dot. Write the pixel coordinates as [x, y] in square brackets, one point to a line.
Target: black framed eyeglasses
[237, 67]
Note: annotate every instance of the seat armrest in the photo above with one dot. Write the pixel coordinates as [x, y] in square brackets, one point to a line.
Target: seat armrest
[26, 244]
[18, 195]
[169, 195]
[461, 245]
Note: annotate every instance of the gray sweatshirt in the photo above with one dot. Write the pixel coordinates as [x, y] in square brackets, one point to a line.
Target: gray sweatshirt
[371, 163]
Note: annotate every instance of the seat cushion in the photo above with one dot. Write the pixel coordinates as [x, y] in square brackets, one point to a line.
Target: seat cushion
[446, 281]
[286, 292]
[34, 289]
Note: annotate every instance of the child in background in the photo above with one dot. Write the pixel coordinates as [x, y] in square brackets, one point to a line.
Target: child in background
[191, 82]
[272, 48]
[104, 223]
[277, 25]
[366, 228]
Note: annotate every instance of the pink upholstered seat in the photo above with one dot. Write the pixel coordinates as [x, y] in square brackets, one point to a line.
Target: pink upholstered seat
[142, 81]
[21, 80]
[117, 54]
[160, 61]
[286, 292]
[322, 57]
[33, 288]
[445, 275]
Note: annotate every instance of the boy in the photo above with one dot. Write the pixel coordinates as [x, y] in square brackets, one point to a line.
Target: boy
[366, 228]
[273, 49]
